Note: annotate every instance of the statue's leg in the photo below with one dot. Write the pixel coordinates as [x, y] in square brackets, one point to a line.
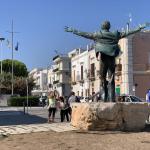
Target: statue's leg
[111, 81]
[111, 89]
[105, 90]
[103, 73]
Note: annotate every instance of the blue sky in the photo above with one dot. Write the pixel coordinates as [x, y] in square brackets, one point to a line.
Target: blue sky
[40, 24]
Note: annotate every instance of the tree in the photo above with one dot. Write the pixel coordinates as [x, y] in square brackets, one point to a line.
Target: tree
[20, 86]
[19, 68]
[5, 83]
[20, 76]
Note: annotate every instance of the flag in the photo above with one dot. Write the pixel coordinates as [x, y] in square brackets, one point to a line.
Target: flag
[8, 43]
[56, 51]
[16, 47]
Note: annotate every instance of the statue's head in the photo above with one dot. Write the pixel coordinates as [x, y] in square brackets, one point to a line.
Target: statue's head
[105, 25]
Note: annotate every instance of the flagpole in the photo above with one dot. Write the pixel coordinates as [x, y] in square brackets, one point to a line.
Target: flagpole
[12, 73]
[1, 39]
[12, 54]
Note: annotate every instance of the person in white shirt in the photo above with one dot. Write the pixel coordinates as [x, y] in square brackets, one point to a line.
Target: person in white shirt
[71, 99]
[148, 96]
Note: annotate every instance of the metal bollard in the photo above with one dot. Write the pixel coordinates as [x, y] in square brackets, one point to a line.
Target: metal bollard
[24, 111]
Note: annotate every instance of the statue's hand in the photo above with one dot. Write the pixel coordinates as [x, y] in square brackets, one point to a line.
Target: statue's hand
[142, 26]
[98, 56]
[147, 24]
[68, 29]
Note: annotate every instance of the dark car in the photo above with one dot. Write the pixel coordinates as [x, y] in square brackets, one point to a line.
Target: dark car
[128, 98]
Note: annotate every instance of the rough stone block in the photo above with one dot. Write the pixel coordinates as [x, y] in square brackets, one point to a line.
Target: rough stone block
[134, 115]
[110, 116]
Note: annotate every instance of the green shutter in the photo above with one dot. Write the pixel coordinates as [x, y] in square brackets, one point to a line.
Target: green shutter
[117, 90]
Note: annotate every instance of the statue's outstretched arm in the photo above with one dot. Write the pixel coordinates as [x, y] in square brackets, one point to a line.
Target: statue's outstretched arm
[125, 34]
[80, 33]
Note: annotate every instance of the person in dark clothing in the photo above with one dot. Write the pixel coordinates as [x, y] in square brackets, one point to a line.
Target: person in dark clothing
[63, 109]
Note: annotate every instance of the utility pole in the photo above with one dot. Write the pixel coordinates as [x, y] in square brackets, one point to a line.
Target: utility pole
[48, 69]
[27, 94]
[47, 81]
[12, 55]
[128, 27]
[128, 23]
[1, 39]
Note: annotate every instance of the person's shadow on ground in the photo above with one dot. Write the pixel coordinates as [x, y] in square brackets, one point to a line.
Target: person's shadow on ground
[18, 118]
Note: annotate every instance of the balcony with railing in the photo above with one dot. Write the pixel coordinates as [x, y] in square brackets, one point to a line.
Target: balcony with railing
[55, 69]
[91, 75]
[56, 81]
[73, 82]
[92, 78]
[60, 69]
[80, 79]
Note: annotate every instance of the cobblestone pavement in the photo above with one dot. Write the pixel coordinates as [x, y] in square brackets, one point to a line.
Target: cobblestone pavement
[16, 116]
[20, 129]
[14, 121]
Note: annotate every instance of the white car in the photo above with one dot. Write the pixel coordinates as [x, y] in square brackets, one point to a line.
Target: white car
[128, 98]
[42, 100]
[84, 100]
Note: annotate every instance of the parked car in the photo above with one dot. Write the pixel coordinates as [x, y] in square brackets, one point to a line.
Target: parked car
[42, 100]
[128, 98]
[84, 99]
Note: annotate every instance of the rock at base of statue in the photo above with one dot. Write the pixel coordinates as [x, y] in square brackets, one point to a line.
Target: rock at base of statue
[110, 116]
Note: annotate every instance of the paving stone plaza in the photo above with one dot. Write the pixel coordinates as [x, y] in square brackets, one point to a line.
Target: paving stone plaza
[20, 129]
[14, 121]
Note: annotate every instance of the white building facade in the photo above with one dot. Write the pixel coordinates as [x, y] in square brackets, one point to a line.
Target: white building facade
[61, 75]
[40, 79]
[84, 72]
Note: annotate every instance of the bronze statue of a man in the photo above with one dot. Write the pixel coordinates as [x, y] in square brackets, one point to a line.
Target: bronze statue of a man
[106, 44]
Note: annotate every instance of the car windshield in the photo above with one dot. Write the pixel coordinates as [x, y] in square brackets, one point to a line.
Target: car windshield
[135, 99]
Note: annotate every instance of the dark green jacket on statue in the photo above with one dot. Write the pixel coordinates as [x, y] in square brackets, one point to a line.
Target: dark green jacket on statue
[105, 41]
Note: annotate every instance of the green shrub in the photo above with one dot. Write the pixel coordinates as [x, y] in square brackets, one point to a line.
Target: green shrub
[19, 101]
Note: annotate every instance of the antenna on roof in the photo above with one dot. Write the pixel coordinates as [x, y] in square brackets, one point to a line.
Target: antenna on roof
[128, 23]
[58, 53]
[130, 17]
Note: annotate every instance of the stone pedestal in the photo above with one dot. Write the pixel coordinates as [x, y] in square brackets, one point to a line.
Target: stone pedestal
[110, 116]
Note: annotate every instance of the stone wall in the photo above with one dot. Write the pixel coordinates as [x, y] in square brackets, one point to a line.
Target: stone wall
[110, 116]
[3, 99]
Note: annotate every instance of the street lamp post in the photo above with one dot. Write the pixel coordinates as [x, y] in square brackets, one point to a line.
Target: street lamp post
[12, 71]
[47, 80]
[27, 94]
[1, 39]
[48, 67]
